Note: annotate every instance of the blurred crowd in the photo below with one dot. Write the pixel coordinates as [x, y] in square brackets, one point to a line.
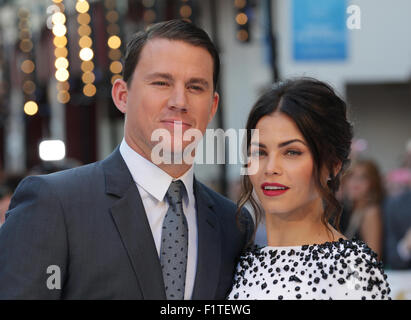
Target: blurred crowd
[376, 206]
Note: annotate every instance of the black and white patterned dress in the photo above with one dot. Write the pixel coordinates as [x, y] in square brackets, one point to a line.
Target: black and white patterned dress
[344, 269]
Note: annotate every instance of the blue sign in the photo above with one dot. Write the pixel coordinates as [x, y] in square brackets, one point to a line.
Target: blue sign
[319, 30]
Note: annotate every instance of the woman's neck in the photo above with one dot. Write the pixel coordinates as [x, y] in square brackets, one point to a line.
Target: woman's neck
[299, 228]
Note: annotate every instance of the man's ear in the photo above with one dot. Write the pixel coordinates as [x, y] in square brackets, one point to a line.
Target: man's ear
[214, 106]
[119, 93]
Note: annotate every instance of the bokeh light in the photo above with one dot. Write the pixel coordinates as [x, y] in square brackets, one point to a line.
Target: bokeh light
[116, 67]
[84, 30]
[61, 52]
[61, 63]
[82, 6]
[63, 96]
[85, 42]
[86, 54]
[29, 87]
[31, 108]
[60, 42]
[58, 18]
[83, 18]
[62, 74]
[114, 42]
[89, 90]
[88, 77]
[59, 30]
[27, 66]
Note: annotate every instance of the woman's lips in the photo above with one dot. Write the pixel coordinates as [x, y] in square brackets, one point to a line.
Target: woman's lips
[274, 189]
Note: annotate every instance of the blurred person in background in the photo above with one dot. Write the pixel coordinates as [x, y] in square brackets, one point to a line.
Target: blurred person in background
[364, 195]
[398, 231]
[397, 216]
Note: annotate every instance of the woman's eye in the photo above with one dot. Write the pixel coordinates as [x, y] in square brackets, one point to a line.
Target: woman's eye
[293, 153]
[257, 153]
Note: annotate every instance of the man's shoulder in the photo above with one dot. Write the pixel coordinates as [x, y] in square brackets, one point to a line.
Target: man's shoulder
[77, 173]
[69, 182]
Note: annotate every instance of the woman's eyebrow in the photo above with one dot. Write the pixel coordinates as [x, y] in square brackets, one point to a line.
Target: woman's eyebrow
[285, 143]
[280, 145]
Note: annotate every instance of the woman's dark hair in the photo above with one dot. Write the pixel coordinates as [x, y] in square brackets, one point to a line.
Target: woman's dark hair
[320, 115]
[172, 30]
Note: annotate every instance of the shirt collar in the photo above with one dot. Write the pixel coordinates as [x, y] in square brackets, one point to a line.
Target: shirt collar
[151, 178]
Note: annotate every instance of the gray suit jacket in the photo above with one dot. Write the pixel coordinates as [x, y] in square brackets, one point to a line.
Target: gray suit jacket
[91, 223]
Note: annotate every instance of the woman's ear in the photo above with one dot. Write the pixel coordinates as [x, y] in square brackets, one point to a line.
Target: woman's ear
[119, 93]
[337, 168]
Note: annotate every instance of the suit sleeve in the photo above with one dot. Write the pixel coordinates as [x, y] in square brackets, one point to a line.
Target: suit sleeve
[32, 239]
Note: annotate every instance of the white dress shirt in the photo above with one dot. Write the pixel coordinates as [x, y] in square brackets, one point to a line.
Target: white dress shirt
[153, 183]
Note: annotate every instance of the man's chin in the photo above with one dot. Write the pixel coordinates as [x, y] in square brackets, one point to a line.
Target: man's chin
[173, 155]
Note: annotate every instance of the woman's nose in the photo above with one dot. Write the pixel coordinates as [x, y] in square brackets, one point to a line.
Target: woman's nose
[273, 166]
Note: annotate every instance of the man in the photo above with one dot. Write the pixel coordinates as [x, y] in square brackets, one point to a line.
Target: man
[100, 226]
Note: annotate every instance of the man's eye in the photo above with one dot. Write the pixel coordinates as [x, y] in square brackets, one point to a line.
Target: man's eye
[195, 88]
[160, 83]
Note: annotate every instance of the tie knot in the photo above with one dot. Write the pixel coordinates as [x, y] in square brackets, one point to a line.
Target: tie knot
[175, 192]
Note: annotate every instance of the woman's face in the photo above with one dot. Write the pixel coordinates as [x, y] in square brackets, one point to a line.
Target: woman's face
[358, 183]
[284, 181]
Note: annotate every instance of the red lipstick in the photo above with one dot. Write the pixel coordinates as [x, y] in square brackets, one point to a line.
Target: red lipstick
[273, 189]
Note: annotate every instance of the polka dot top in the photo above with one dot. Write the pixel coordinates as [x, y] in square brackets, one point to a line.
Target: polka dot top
[344, 269]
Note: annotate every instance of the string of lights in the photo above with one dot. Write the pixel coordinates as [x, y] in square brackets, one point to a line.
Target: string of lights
[114, 41]
[242, 20]
[86, 52]
[61, 62]
[149, 15]
[27, 65]
[186, 10]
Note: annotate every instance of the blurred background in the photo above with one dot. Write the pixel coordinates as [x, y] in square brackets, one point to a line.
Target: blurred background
[58, 59]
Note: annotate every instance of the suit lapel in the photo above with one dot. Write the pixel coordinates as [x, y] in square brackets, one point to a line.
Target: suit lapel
[131, 221]
[209, 246]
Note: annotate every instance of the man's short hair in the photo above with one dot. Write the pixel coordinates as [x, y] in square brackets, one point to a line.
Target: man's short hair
[171, 30]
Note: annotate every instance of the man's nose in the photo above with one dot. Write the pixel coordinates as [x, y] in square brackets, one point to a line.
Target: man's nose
[178, 99]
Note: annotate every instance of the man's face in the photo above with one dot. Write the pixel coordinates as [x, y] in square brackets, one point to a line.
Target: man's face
[171, 87]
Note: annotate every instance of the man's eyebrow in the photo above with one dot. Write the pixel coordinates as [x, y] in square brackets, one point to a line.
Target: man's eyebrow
[202, 81]
[162, 75]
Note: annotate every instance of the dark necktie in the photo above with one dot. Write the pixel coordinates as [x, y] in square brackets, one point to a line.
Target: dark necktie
[174, 243]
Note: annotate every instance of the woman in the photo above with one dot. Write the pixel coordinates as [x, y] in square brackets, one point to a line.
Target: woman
[362, 214]
[296, 159]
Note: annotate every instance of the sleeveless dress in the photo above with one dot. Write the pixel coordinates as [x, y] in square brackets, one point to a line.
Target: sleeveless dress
[343, 269]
